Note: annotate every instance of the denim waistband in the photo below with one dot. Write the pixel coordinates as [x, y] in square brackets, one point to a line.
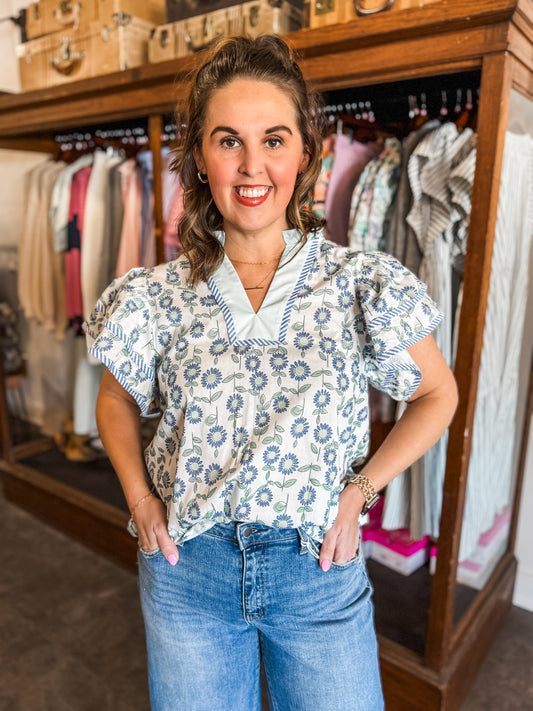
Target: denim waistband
[249, 534]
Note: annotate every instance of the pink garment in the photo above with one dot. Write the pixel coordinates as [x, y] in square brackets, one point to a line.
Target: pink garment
[129, 254]
[73, 297]
[348, 163]
[170, 238]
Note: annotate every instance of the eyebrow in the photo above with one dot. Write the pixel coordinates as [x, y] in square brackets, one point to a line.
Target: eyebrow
[233, 132]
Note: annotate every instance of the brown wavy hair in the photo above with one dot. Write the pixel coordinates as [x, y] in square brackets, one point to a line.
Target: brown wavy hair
[266, 58]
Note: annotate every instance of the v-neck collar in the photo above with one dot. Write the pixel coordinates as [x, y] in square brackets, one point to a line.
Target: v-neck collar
[269, 324]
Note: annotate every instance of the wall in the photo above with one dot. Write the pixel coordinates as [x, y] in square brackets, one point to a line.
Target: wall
[9, 38]
[523, 593]
[521, 121]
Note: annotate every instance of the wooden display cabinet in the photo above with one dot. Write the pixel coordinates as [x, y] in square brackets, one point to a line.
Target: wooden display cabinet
[494, 37]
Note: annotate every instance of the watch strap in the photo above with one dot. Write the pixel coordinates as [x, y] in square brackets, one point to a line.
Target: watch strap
[365, 485]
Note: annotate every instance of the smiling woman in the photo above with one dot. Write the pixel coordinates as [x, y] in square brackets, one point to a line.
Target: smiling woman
[258, 346]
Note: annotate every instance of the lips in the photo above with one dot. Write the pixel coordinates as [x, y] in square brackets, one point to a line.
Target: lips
[252, 195]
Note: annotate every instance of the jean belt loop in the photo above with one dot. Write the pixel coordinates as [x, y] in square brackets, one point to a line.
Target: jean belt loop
[304, 541]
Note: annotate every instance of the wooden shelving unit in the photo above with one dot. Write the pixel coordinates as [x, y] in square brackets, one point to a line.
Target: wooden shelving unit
[494, 37]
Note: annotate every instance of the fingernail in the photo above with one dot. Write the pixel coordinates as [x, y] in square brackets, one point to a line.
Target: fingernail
[325, 565]
[172, 559]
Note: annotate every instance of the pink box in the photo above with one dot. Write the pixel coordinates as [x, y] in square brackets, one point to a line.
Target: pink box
[397, 550]
[475, 570]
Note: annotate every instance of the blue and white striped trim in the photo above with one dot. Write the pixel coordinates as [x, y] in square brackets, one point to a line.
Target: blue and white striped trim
[225, 311]
[117, 331]
[303, 275]
[140, 399]
[385, 318]
[411, 342]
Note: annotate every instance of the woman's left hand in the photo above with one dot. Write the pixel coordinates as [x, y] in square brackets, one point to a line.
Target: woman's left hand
[341, 542]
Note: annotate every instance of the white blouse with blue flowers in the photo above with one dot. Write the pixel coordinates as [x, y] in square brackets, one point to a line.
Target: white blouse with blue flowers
[262, 413]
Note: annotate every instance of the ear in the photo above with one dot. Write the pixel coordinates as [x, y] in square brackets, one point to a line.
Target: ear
[198, 159]
[304, 162]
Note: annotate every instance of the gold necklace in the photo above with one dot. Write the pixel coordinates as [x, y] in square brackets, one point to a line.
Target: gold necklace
[259, 285]
[255, 264]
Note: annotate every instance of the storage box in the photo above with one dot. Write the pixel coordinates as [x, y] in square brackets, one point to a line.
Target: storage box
[54, 59]
[397, 550]
[162, 43]
[251, 18]
[329, 12]
[119, 45]
[34, 21]
[197, 33]
[67, 14]
[149, 10]
[177, 10]
[265, 17]
[475, 570]
[89, 51]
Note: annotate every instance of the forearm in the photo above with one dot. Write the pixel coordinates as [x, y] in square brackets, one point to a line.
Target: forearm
[120, 431]
[419, 428]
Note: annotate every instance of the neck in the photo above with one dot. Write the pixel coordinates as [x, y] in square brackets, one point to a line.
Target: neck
[254, 248]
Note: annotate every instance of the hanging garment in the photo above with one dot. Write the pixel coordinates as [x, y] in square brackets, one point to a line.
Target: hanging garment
[171, 239]
[114, 211]
[52, 285]
[348, 163]
[321, 186]
[14, 167]
[73, 293]
[402, 242]
[435, 221]
[145, 165]
[172, 207]
[94, 221]
[495, 436]
[27, 287]
[129, 254]
[60, 200]
[41, 275]
[373, 198]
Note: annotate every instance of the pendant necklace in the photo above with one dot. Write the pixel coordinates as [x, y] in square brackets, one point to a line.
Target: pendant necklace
[259, 286]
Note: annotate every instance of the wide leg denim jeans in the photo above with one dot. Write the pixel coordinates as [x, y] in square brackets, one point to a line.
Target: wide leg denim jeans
[244, 591]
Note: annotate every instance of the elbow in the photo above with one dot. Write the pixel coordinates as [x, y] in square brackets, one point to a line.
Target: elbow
[452, 396]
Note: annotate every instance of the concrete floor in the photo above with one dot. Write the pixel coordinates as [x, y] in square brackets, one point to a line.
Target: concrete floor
[71, 635]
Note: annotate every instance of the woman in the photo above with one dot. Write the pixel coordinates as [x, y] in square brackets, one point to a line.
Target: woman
[257, 347]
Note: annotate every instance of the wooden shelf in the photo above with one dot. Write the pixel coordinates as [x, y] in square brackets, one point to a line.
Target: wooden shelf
[442, 37]
[494, 37]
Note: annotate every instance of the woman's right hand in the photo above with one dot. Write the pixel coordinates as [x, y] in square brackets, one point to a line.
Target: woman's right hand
[151, 522]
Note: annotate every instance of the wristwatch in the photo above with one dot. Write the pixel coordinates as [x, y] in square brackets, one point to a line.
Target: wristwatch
[368, 491]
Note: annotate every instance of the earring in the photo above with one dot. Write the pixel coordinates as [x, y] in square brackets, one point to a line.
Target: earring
[202, 177]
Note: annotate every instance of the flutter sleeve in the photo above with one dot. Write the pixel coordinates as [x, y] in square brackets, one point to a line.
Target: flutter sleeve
[395, 313]
[120, 335]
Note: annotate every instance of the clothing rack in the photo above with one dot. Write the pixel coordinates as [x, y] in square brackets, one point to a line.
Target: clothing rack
[445, 97]
[126, 136]
[380, 53]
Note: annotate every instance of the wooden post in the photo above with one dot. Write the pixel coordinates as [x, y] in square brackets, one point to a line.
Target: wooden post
[491, 129]
[155, 129]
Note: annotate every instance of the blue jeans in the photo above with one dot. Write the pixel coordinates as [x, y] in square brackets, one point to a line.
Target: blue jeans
[241, 592]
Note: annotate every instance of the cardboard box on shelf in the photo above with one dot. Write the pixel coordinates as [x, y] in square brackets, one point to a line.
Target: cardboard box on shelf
[162, 43]
[330, 12]
[90, 50]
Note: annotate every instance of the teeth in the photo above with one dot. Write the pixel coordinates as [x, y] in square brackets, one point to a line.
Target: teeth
[252, 192]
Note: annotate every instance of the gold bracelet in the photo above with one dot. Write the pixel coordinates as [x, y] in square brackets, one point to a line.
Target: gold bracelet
[143, 498]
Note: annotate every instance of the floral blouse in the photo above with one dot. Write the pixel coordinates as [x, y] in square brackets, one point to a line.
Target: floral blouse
[262, 414]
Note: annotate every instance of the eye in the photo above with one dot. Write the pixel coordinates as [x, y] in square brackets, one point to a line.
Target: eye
[229, 142]
[274, 141]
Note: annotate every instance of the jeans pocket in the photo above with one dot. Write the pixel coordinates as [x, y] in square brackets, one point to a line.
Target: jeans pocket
[150, 555]
[314, 548]
[347, 564]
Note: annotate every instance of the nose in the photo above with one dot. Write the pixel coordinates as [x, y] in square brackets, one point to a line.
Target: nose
[252, 162]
